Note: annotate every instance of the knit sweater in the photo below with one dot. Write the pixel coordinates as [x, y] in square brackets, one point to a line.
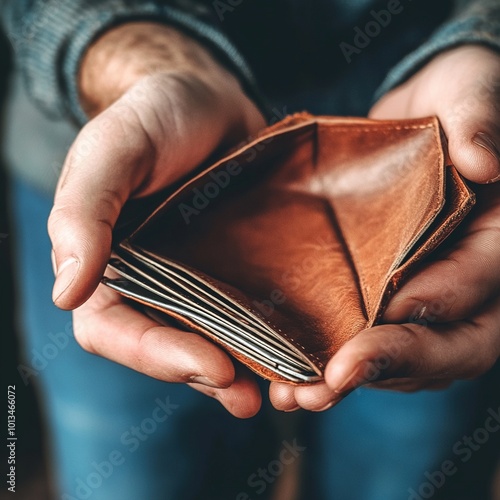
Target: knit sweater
[326, 56]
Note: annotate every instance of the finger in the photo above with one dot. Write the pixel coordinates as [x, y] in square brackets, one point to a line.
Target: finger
[320, 397]
[282, 396]
[242, 398]
[463, 349]
[317, 397]
[469, 116]
[468, 112]
[105, 164]
[453, 287]
[106, 326]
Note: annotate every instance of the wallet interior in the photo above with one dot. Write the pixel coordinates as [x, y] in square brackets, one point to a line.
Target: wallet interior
[290, 246]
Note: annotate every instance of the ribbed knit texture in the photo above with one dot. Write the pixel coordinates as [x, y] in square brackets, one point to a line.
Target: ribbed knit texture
[476, 22]
[51, 36]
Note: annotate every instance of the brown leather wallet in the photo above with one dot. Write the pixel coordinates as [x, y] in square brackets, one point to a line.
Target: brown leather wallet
[289, 246]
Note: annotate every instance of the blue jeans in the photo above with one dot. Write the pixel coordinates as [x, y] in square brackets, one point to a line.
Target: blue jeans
[118, 434]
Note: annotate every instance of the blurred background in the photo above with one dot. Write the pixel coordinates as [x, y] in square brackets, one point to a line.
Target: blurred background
[31, 466]
[478, 479]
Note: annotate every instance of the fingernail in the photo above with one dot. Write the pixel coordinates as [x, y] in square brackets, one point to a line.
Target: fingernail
[54, 263]
[66, 273]
[415, 318]
[295, 408]
[201, 379]
[329, 405]
[365, 371]
[495, 179]
[486, 142]
[350, 382]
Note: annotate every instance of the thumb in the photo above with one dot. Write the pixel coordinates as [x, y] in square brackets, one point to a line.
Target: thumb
[474, 143]
[469, 116]
[100, 172]
[462, 87]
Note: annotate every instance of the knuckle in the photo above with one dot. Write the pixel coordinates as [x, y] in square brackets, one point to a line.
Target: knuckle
[406, 358]
[63, 218]
[486, 362]
[484, 357]
[142, 356]
[58, 217]
[145, 354]
[109, 206]
[417, 366]
[83, 337]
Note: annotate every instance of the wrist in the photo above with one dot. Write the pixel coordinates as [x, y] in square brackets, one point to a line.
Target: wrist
[129, 53]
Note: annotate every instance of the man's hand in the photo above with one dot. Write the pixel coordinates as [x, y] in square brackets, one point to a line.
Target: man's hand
[161, 105]
[444, 324]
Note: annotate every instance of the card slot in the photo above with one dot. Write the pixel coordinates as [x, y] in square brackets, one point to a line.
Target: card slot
[191, 279]
[280, 349]
[240, 345]
[458, 201]
[199, 286]
[128, 271]
[253, 322]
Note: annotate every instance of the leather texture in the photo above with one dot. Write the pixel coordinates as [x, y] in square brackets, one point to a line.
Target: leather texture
[303, 234]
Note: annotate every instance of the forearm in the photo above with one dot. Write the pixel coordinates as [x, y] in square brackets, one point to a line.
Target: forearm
[125, 54]
[474, 22]
[51, 37]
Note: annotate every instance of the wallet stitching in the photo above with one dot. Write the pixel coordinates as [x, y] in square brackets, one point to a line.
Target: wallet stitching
[386, 127]
[292, 128]
[292, 341]
[238, 152]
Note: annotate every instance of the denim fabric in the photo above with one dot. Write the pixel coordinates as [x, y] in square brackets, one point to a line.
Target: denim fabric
[117, 434]
[188, 448]
[375, 445]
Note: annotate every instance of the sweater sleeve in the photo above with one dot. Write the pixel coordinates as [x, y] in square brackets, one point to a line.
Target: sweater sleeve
[50, 37]
[473, 22]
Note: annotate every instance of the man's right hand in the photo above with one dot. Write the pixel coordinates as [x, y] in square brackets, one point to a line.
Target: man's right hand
[161, 105]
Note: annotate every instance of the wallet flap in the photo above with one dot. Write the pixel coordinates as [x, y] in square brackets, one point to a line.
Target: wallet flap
[459, 200]
[385, 182]
[394, 201]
